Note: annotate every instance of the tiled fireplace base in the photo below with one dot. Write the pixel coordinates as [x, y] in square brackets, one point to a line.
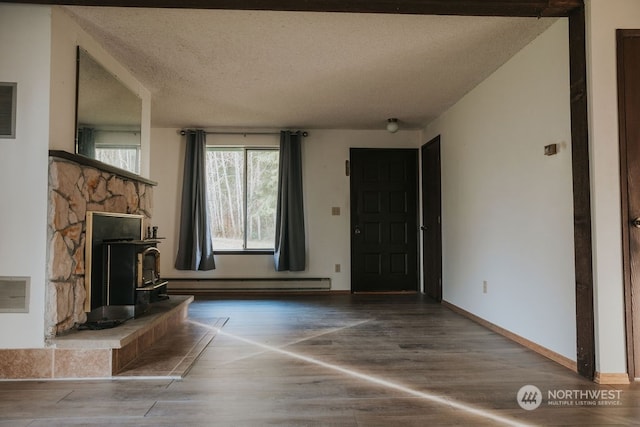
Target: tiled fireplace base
[96, 354]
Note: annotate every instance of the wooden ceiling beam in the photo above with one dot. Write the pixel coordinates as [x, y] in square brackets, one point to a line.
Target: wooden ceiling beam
[530, 8]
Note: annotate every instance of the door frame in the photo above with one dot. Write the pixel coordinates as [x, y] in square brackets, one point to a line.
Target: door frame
[624, 197]
[433, 142]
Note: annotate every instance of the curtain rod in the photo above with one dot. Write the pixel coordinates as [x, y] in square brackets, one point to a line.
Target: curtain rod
[184, 132]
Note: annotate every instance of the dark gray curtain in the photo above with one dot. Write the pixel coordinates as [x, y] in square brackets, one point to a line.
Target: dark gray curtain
[195, 248]
[87, 142]
[290, 241]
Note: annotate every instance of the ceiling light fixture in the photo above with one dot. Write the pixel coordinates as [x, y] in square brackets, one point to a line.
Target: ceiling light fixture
[392, 125]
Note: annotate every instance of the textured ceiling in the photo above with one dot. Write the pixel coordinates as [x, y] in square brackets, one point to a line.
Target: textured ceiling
[244, 69]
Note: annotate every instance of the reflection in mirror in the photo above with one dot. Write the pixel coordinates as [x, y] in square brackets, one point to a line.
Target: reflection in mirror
[108, 116]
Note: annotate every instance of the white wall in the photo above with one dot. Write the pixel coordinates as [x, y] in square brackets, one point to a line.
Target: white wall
[325, 186]
[26, 51]
[39, 45]
[66, 36]
[507, 209]
[603, 18]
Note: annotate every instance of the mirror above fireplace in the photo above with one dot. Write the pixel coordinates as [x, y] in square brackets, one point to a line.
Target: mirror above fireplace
[108, 116]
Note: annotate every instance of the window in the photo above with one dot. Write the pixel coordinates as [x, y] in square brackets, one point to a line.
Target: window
[243, 189]
[121, 156]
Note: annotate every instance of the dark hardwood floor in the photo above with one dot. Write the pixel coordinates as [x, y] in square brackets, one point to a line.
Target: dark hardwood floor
[334, 360]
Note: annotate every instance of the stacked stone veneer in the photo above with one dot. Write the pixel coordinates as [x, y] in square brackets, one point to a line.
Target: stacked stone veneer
[75, 189]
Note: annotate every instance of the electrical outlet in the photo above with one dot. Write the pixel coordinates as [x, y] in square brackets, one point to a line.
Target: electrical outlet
[484, 287]
[337, 268]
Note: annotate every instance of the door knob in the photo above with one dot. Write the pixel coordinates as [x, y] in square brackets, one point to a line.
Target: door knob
[357, 230]
[636, 222]
[423, 227]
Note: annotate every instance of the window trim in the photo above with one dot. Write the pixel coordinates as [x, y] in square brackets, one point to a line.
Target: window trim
[245, 196]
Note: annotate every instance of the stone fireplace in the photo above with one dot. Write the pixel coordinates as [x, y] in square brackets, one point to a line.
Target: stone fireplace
[77, 185]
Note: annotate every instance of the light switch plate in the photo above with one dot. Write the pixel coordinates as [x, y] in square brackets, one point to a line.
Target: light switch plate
[335, 211]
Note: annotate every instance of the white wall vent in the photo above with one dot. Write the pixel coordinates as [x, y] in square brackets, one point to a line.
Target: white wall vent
[14, 294]
[8, 110]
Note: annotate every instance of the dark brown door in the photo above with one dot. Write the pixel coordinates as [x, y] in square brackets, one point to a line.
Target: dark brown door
[384, 220]
[431, 220]
[629, 112]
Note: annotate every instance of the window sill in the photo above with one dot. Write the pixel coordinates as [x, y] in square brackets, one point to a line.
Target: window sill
[245, 252]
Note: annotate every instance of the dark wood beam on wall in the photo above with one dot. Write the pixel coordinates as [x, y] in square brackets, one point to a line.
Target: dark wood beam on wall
[531, 8]
[585, 317]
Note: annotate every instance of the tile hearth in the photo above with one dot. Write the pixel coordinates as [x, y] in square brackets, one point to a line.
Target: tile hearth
[161, 343]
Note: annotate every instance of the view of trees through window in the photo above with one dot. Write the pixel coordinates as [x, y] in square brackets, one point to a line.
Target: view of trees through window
[121, 157]
[242, 188]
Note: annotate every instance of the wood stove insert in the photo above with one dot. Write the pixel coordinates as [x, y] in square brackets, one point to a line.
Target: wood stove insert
[123, 275]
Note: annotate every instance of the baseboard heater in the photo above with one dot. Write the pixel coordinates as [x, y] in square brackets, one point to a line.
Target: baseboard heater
[179, 285]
